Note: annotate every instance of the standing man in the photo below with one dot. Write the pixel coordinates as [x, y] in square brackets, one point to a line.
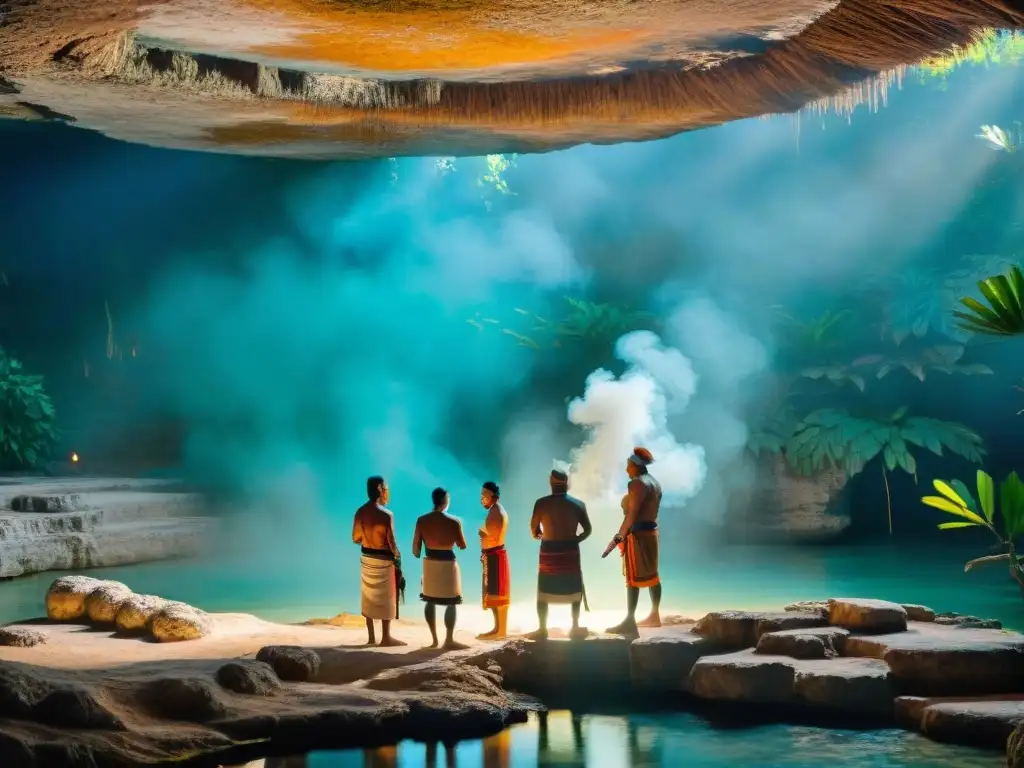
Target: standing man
[381, 564]
[561, 523]
[440, 533]
[497, 586]
[637, 541]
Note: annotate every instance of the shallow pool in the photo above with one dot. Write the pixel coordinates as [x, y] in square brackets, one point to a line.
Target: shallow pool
[660, 741]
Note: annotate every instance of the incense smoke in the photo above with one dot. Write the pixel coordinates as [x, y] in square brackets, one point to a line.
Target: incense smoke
[618, 413]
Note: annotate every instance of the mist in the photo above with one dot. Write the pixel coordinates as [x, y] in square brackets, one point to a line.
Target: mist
[335, 343]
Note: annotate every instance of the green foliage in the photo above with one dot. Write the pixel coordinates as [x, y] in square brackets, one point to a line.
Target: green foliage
[990, 47]
[1004, 315]
[1001, 140]
[834, 438]
[942, 359]
[815, 337]
[1005, 522]
[584, 322]
[27, 428]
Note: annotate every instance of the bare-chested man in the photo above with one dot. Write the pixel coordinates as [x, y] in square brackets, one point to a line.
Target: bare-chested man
[561, 522]
[440, 533]
[497, 587]
[381, 565]
[637, 540]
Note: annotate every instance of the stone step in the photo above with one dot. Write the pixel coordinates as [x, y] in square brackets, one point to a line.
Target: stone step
[979, 721]
[121, 543]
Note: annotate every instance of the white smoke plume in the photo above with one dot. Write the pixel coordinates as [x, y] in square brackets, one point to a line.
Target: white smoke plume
[634, 409]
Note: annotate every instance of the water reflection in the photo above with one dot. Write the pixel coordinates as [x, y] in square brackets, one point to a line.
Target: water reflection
[572, 740]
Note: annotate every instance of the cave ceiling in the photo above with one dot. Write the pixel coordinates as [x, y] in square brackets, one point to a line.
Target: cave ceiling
[324, 79]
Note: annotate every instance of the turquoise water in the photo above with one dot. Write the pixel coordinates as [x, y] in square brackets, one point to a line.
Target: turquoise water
[661, 741]
[695, 583]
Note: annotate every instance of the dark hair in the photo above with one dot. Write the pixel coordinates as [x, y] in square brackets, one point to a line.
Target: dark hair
[374, 486]
[438, 495]
[492, 486]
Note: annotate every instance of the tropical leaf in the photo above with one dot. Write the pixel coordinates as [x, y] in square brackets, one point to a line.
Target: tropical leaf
[940, 502]
[1004, 315]
[950, 493]
[956, 524]
[1011, 506]
[27, 416]
[986, 495]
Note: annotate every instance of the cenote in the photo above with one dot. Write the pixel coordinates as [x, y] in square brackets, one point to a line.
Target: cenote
[249, 263]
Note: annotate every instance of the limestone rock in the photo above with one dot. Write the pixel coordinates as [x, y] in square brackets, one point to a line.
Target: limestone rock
[24, 695]
[187, 699]
[918, 612]
[251, 678]
[951, 619]
[291, 663]
[178, 622]
[136, 612]
[103, 603]
[65, 599]
[549, 667]
[58, 503]
[734, 630]
[936, 660]
[663, 661]
[21, 637]
[876, 616]
[809, 606]
[804, 643]
[743, 677]
[861, 686]
[983, 722]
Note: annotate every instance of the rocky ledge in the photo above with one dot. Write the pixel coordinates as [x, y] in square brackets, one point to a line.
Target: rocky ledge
[249, 687]
[51, 524]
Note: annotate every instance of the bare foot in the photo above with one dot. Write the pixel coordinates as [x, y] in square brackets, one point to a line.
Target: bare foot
[487, 635]
[454, 645]
[578, 633]
[626, 629]
[391, 642]
[432, 645]
[537, 634]
[371, 641]
[654, 620]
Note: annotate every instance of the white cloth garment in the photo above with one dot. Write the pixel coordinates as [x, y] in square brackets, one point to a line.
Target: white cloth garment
[441, 581]
[379, 590]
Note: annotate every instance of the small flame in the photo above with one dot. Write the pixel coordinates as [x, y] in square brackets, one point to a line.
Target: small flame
[74, 458]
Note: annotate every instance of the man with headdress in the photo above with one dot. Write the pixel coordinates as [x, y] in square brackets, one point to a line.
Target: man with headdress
[497, 578]
[637, 541]
[382, 582]
[561, 523]
[439, 533]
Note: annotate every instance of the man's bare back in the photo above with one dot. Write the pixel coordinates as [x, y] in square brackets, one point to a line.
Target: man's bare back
[374, 528]
[559, 517]
[438, 530]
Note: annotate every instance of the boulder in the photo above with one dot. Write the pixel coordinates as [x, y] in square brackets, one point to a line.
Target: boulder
[20, 637]
[918, 612]
[65, 599]
[103, 603]
[185, 699]
[663, 661]
[136, 612]
[931, 659]
[868, 616]
[981, 722]
[861, 686]
[552, 667]
[250, 678]
[743, 677]
[858, 686]
[178, 622]
[24, 695]
[735, 630]
[951, 619]
[805, 643]
[291, 663]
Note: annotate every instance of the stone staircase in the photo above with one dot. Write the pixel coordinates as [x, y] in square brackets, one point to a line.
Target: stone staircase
[73, 523]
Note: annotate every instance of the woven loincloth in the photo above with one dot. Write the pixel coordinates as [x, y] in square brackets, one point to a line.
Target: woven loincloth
[442, 582]
[560, 574]
[497, 577]
[640, 555]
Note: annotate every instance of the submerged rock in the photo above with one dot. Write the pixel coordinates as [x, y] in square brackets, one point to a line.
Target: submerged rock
[877, 616]
[179, 622]
[103, 603]
[291, 662]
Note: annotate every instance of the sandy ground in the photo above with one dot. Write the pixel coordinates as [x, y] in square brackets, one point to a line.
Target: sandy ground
[234, 635]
